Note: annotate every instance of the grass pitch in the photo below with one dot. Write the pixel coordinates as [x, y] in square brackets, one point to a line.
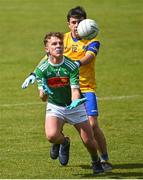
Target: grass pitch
[24, 150]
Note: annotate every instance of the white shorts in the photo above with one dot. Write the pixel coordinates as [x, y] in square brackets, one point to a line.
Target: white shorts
[72, 116]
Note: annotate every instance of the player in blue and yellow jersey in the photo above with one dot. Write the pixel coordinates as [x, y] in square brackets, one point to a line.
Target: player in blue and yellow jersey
[84, 54]
[76, 49]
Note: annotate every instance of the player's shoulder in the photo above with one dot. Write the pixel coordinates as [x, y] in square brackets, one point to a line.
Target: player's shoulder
[93, 43]
[67, 35]
[45, 57]
[44, 65]
[70, 65]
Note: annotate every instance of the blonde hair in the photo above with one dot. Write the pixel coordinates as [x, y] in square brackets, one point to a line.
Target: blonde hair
[53, 34]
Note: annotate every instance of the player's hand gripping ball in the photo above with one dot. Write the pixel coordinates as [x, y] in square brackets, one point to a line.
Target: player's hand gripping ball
[87, 29]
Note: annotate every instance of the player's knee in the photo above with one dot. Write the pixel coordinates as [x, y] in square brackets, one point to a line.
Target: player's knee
[93, 122]
[88, 141]
[51, 136]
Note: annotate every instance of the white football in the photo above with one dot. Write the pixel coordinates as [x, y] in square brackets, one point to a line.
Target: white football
[87, 29]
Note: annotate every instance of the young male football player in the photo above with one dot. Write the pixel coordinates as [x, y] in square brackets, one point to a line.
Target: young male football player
[58, 81]
[83, 53]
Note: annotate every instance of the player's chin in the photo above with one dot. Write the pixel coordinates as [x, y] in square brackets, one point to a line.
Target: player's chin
[76, 34]
[59, 55]
[75, 31]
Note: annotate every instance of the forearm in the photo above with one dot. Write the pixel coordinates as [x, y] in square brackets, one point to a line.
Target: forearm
[87, 59]
[75, 94]
[76, 99]
[43, 96]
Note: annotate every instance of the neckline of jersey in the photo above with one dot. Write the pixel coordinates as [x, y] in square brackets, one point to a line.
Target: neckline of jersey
[75, 39]
[56, 65]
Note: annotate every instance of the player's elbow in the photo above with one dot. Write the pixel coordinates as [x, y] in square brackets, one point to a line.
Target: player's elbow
[43, 96]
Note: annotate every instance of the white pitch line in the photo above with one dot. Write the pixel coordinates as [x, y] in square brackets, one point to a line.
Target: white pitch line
[99, 98]
[118, 97]
[21, 104]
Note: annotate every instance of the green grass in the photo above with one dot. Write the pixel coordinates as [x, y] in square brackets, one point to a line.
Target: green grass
[24, 150]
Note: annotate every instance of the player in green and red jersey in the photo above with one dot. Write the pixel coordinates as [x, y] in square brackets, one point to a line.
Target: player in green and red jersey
[60, 77]
[58, 82]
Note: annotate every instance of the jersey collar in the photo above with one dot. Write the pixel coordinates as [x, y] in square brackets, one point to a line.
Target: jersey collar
[75, 39]
[56, 65]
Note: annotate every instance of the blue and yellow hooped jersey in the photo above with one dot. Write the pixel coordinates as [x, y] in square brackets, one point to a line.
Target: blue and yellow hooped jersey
[76, 49]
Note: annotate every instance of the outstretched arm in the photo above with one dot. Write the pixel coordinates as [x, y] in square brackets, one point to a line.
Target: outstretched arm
[32, 76]
[30, 79]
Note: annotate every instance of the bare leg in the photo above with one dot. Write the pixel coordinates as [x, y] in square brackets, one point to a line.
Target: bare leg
[53, 129]
[87, 137]
[98, 134]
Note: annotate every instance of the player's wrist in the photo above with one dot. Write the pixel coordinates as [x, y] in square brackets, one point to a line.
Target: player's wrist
[78, 63]
[32, 74]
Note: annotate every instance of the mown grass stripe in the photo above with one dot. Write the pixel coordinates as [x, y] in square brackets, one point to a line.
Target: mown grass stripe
[99, 98]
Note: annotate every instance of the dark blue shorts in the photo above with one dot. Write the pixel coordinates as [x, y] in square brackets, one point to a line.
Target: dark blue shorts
[91, 104]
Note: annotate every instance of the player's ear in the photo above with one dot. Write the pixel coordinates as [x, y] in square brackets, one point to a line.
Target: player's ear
[68, 23]
[46, 49]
